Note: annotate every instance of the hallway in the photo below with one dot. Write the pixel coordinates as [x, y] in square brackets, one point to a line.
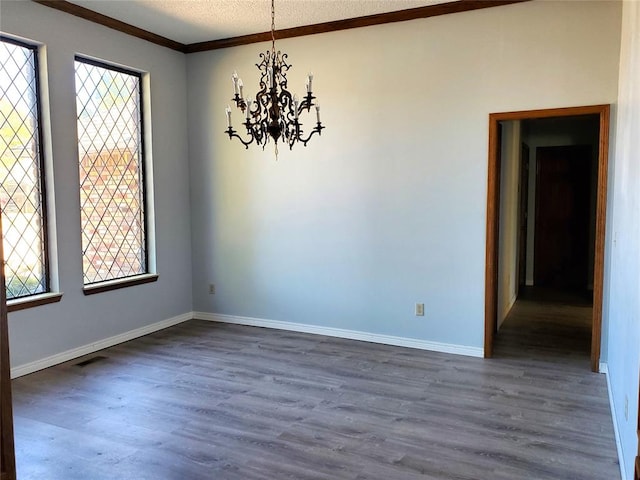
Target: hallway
[547, 326]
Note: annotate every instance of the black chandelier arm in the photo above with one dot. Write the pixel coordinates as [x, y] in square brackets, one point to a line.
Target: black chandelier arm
[240, 103]
[294, 134]
[257, 134]
[232, 133]
[306, 103]
[318, 130]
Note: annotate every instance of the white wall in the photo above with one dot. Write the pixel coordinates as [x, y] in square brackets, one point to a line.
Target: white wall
[78, 320]
[388, 207]
[622, 298]
[385, 209]
[509, 221]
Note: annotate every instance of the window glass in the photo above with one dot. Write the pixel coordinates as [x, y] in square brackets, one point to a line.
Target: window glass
[108, 101]
[22, 199]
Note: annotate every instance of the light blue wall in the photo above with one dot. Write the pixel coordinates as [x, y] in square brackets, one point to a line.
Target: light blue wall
[78, 320]
[388, 207]
[623, 252]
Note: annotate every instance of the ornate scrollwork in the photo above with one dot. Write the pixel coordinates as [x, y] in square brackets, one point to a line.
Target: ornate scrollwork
[274, 113]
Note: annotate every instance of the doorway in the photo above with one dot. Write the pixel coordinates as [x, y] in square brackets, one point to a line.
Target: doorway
[562, 213]
[564, 175]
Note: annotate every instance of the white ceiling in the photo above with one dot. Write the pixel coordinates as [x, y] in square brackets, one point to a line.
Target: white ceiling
[192, 21]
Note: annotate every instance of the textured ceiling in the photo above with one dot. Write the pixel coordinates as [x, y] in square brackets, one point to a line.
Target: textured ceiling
[192, 21]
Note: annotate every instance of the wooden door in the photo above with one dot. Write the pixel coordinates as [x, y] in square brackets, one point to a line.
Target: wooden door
[561, 245]
[637, 469]
[7, 455]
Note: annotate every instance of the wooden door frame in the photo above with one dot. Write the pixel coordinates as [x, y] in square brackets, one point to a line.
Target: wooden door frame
[493, 219]
[7, 453]
[636, 471]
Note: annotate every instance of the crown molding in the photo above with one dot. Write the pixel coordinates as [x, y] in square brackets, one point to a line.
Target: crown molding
[357, 22]
[95, 17]
[326, 27]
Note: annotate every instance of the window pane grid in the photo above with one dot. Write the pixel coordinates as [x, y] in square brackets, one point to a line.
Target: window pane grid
[111, 184]
[21, 191]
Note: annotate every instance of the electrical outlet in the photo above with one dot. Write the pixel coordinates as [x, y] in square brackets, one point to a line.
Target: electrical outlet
[212, 289]
[626, 407]
[419, 309]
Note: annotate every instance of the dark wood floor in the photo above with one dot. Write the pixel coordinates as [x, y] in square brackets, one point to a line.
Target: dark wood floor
[210, 401]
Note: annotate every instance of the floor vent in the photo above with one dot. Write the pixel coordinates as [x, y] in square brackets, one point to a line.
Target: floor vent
[89, 361]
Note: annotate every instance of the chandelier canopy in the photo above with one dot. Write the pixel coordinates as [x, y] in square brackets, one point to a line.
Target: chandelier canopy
[275, 111]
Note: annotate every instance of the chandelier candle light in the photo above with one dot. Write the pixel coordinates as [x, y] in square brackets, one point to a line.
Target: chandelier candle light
[274, 112]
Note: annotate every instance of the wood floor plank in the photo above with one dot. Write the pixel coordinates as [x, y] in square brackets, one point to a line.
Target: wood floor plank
[210, 401]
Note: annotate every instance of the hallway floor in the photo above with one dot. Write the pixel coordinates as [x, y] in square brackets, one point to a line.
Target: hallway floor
[548, 326]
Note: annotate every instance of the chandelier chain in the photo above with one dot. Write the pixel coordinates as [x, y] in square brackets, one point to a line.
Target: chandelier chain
[273, 26]
[273, 53]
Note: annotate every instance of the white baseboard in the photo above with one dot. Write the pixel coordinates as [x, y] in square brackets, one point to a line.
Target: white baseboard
[27, 368]
[43, 363]
[342, 333]
[623, 473]
[56, 359]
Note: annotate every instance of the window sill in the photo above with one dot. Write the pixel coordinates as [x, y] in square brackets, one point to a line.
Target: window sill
[120, 283]
[33, 301]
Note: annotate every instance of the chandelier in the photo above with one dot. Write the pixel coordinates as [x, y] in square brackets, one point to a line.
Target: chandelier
[274, 112]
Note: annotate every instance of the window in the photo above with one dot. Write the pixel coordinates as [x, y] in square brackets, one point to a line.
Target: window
[22, 195]
[111, 161]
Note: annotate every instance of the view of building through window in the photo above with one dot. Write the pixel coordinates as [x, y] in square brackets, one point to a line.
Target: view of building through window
[21, 190]
[108, 101]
